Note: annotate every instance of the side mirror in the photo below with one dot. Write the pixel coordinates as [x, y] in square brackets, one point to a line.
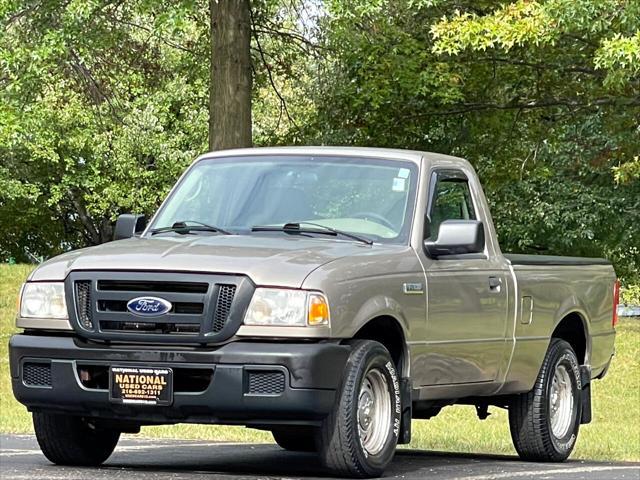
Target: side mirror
[456, 237]
[129, 225]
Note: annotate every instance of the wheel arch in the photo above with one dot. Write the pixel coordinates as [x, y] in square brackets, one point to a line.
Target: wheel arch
[388, 330]
[574, 329]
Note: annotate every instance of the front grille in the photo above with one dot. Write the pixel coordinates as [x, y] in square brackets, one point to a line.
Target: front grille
[83, 303]
[223, 306]
[265, 383]
[204, 308]
[36, 374]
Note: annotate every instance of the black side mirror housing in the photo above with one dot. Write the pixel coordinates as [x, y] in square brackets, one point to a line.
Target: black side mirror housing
[457, 237]
[129, 225]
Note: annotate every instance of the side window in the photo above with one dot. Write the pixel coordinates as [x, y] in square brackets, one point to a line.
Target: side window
[451, 201]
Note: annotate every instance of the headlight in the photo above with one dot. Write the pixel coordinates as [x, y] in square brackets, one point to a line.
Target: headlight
[281, 307]
[43, 300]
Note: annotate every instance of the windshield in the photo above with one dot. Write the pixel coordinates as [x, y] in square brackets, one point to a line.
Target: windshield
[363, 196]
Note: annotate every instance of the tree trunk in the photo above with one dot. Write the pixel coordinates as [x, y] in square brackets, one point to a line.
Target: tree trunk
[230, 89]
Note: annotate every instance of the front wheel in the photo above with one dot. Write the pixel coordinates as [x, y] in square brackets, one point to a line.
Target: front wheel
[545, 421]
[68, 440]
[359, 438]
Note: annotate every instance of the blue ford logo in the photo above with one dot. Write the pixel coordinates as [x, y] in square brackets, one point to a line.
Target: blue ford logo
[148, 306]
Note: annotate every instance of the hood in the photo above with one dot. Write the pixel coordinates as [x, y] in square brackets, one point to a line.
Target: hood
[278, 260]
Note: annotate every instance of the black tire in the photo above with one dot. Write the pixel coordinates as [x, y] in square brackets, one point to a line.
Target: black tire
[339, 444]
[296, 439]
[68, 440]
[530, 413]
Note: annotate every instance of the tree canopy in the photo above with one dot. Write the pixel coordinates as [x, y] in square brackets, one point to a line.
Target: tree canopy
[536, 95]
[103, 104]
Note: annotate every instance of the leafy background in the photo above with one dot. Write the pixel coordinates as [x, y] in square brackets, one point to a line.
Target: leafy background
[103, 103]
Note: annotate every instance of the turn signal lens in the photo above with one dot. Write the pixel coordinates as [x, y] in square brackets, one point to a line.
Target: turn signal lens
[318, 310]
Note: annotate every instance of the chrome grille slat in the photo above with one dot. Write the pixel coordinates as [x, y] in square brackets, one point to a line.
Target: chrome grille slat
[152, 286]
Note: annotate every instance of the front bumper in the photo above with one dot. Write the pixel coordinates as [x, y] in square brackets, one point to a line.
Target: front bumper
[309, 375]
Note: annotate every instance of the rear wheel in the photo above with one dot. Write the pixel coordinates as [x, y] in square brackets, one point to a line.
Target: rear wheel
[295, 439]
[358, 439]
[68, 440]
[545, 421]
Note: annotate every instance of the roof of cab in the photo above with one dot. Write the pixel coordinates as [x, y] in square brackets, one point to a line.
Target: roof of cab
[385, 153]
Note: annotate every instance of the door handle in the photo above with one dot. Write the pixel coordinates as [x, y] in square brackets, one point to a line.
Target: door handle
[494, 284]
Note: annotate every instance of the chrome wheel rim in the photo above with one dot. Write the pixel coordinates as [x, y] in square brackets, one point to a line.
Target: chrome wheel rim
[374, 412]
[562, 403]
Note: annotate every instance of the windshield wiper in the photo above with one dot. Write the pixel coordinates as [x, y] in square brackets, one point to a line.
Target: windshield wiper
[295, 227]
[182, 228]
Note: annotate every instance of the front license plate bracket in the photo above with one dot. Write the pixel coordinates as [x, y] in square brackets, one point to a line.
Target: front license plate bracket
[131, 385]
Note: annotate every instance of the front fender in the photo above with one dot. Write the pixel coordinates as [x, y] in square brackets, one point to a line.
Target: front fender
[381, 306]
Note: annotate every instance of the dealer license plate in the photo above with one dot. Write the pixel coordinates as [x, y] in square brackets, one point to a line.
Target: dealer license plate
[141, 385]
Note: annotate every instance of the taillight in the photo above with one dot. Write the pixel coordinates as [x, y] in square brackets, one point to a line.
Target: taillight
[616, 301]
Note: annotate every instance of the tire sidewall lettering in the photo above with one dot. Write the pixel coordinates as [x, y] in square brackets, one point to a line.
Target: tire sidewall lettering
[397, 401]
[571, 360]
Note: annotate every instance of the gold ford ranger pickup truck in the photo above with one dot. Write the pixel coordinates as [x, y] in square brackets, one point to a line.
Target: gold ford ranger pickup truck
[328, 295]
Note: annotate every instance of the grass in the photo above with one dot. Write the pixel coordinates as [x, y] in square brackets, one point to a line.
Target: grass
[614, 433]
[13, 416]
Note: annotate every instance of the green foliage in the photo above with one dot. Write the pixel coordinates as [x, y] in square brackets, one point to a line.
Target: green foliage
[614, 23]
[621, 56]
[628, 172]
[520, 89]
[630, 295]
[510, 25]
[567, 198]
[103, 104]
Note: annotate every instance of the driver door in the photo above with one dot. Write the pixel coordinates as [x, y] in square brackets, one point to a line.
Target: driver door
[467, 300]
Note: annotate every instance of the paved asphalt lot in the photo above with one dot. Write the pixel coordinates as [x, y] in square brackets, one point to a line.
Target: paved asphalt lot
[146, 459]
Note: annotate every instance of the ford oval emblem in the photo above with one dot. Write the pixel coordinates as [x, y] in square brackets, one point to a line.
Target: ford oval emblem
[148, 306]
